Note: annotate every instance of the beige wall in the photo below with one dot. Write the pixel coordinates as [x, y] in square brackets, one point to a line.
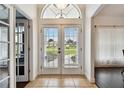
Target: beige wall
[108, 20]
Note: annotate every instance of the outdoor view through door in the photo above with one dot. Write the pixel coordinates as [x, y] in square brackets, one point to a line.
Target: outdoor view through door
[51, 47]
[70, 46]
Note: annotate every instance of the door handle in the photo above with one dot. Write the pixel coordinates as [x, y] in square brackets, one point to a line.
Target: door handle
[59, 52]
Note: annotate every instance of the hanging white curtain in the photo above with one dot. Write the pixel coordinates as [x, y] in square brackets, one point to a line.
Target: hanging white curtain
[109, 45]
[119, 42]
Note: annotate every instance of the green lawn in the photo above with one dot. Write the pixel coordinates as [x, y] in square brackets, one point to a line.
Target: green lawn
[68, 50]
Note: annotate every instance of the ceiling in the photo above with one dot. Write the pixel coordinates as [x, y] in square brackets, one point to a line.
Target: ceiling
[4, 15]
[112, 10]
[19, 15]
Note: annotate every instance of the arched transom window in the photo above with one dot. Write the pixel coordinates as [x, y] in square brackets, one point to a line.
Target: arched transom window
[61, 11]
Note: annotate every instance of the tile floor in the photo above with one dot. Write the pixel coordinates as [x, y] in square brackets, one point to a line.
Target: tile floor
[60, 81]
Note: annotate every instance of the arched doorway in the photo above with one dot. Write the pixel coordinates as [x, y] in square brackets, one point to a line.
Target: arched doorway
[61, 35]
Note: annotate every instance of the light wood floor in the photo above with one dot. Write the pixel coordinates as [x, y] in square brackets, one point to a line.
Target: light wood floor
[59, 81]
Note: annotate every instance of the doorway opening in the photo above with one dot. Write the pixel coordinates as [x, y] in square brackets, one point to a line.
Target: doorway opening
[22, 49]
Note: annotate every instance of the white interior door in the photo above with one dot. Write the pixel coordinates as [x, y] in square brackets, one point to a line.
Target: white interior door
[60, 49]
[21, 50]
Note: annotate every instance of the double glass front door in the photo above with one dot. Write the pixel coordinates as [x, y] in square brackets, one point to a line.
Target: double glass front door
[60, 49]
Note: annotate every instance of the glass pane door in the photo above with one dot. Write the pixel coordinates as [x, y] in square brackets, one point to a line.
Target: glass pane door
[4, 56]
[51, 49]
[21, 50]
[70, 47]
[4, 47]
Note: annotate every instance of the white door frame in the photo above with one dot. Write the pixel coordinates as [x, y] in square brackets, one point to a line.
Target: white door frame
[49, 22]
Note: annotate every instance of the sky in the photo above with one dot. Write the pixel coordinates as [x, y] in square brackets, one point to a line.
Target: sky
[70, 33]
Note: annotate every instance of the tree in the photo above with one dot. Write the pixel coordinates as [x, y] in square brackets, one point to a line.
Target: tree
[70, 42]
[50, 41]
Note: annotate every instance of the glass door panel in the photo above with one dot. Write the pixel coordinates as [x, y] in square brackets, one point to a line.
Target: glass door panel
[70, 46]
[21, 50]
[50, 47]
[4, 69]
[51, 50]
[4, 47]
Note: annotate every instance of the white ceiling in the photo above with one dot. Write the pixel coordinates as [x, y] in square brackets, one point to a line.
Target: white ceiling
[19, 14]
[4, 14]
[112, 10]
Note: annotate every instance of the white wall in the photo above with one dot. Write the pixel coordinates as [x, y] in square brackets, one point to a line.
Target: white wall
[89, 64]
[12, 57]
[82, 9]
[30, 11]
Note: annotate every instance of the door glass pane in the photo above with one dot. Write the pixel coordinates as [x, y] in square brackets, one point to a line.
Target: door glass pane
[21, 70]
[21, 27]
[4, 13]
[19, 48]
[21, 59]
[4, 51]
[4, 47]
[4, 67]
[21, 37]
[3, 33]
[71, 46]
[51, 47]
[5, 83]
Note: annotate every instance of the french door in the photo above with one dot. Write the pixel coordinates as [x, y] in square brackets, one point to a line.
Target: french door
[60, 49]
[21, 50]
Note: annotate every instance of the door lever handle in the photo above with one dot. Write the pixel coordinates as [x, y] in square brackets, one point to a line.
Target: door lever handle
[59, 52]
